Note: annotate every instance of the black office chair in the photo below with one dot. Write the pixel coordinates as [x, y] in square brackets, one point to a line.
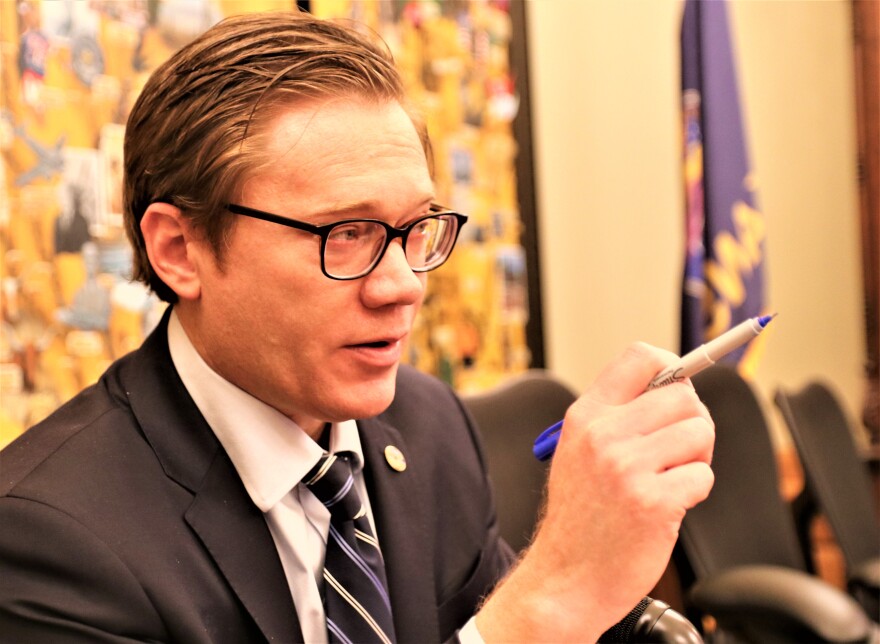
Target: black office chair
[741, 545]
[838, 480]
[510, 416]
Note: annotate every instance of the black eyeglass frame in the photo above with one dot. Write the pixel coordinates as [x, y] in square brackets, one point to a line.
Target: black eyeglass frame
[391, 233]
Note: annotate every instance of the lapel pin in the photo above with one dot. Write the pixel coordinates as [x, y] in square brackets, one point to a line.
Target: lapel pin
[396, 459]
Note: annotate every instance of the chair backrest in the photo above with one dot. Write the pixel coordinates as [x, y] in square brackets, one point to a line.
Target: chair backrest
[835, 475]
[510, 417]
[744, 520]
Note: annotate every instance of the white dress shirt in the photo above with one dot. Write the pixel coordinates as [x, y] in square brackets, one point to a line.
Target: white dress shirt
[272, 454]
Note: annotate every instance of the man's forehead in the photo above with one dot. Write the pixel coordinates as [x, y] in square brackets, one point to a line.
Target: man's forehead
[341, 152]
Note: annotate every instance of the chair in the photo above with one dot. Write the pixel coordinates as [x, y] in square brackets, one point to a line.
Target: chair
[510, 416]
[837, 479]
[741, 544]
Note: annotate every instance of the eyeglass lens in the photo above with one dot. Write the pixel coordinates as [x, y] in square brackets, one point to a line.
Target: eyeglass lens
[353, 248]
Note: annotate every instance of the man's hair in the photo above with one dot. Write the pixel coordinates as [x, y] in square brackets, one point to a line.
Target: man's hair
[195, 133]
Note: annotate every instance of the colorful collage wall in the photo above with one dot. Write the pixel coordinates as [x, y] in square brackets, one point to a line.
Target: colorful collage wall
[70, 71]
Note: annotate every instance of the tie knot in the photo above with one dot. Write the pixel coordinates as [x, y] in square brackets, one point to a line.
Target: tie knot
[332, 482]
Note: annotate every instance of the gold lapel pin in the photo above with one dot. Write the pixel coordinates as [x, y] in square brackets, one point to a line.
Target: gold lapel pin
[396, 459]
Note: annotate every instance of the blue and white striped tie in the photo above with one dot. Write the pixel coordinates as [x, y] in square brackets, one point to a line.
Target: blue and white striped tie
[355, 589]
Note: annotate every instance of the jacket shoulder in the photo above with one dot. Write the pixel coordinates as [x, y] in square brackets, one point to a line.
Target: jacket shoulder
[90, 408]
[418, 392]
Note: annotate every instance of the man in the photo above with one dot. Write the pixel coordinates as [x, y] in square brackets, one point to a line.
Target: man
[278, 195]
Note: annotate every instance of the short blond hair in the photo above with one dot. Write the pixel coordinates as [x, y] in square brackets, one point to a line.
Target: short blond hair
[194, 132]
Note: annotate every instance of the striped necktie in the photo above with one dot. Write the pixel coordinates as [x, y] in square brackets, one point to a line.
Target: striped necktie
[355, 589]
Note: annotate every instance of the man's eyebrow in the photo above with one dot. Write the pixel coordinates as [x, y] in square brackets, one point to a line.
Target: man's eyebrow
[350, 209]
[360, 209]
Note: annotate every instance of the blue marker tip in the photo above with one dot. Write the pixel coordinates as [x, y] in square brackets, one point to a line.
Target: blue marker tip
[764, 320]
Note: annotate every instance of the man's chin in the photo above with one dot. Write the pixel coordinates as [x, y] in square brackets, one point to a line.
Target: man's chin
[371, 397]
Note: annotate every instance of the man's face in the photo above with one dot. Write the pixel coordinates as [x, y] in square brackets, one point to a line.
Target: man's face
[271, 322]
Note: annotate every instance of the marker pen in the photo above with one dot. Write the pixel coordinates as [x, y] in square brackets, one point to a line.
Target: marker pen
[688, 365]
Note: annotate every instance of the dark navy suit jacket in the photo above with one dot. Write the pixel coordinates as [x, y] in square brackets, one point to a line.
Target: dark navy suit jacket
[122, 518]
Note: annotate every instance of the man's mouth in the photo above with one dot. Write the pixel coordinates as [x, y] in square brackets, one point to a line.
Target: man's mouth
[378, 353]
[379, 344]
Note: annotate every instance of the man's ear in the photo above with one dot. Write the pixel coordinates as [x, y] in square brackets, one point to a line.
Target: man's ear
[167, 237]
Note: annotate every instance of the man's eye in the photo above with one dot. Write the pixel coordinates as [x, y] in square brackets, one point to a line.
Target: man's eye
[350, 232]
[422, 228]
[344, 234]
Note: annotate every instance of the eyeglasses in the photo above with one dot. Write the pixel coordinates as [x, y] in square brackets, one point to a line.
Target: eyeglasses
[352, 248]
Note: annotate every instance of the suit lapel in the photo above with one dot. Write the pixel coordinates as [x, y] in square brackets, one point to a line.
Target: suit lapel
[230, 526]
[235, 533]
[399, 501]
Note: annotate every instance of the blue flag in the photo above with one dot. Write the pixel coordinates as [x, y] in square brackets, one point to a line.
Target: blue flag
[723, 277]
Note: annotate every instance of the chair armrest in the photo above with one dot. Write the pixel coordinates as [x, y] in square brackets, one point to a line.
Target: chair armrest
[863, 584]
[867, 574]
[772, 603]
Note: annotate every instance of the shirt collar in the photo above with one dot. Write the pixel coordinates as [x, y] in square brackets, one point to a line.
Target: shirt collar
[270, 452]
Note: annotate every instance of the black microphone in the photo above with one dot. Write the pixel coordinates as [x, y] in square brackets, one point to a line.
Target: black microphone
[653, 621]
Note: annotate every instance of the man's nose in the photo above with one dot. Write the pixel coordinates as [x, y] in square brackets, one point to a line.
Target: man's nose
[393, 281]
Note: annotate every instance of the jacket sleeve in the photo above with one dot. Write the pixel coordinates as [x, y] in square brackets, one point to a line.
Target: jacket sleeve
[70, 590]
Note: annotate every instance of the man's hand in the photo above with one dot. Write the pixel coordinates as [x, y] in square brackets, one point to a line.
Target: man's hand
[628, 465]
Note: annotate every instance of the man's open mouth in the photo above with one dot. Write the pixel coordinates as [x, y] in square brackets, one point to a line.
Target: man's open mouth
[379, 344]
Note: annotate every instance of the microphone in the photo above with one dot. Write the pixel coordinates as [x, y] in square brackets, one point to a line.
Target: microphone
[653, 621]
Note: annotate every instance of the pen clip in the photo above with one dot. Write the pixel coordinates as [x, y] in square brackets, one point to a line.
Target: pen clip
[545, 444]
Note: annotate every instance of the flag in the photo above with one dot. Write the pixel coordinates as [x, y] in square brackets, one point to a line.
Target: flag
[725, 231]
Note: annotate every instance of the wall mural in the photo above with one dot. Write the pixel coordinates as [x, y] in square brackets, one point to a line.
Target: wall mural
[70, 71]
